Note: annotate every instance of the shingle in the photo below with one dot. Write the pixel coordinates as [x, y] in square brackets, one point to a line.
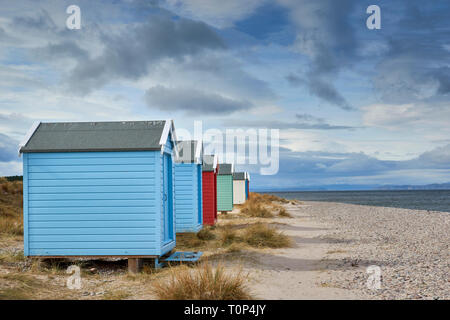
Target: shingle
[96, 136]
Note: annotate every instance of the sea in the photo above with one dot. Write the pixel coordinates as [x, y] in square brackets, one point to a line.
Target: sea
[432, 200]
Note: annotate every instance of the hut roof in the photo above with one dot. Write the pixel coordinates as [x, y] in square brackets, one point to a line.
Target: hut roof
[239, 176]
[225, 168]
[98, 136]
[209, 162]
[189, 151]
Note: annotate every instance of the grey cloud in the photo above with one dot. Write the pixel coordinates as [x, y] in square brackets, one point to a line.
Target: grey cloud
[8, 148]
[130, 54]
[413, 66]
[416, 66]
[327, 38]
[321, 87]
[192, 101]
[325, 90]
[300, 169]
[443, 76]
[436, 158]
[274, 124]
[308, 117]
[294, 79]
[64, 49]
[42, 22]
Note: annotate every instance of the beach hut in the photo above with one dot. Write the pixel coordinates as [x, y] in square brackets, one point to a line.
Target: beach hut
[225, 187]
[247, 185]
[99, 189]
[209, 176]
[239, 187]
[188, 187]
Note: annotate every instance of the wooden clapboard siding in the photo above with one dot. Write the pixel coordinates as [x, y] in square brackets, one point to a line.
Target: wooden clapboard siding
[238, 191]
[188, 197]
[209, 198]
[92, 203]
[167, 223]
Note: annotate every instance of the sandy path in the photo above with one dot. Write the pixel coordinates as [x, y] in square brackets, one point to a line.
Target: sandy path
[303, 271]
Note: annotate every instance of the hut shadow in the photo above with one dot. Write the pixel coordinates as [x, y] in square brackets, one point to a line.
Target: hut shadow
[298, 228]
[301, 240]
[268, 262]
[99, 265]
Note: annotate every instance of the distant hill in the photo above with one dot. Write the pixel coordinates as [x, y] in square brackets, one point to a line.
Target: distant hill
[350, 187]
[433, 186]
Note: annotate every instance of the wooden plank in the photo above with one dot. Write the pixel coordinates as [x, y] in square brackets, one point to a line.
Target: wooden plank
[134, 265]
[94, 257]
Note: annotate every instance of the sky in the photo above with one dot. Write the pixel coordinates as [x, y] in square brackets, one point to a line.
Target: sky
[353, 105]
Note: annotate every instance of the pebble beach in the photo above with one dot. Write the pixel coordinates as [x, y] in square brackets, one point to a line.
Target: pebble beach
[411, 247]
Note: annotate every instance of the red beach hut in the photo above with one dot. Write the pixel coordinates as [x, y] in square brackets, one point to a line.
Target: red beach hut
[209, 180]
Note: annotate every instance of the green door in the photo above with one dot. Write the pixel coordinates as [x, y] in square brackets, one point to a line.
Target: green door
[224, 192]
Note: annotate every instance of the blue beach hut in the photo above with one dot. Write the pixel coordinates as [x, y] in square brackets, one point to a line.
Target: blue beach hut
[247, 185]
[99, 189]
[188, 187]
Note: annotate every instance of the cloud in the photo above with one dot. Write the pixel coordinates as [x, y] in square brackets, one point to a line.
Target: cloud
[416, 64]
[305, 122]
[131, 53]
[436, 158]
[319, 86]
[64, 49]
[42, 22]
[274, 124]
[221, 14]
[308, 117]
[192, 101]
[8, 148]
[325, 35]
[315, 168]
[408, 117]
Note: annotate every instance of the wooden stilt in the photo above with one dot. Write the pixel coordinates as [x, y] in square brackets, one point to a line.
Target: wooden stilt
[134, 265]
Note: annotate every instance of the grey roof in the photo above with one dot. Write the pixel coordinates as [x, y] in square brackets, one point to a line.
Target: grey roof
[96, 136]
[225, 168]
[239, 176]
[186, 151]
[208, 163]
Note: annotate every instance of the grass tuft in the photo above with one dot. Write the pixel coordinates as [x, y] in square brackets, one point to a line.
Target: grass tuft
[283, 213]
[116, 295]
[261, 235]
[11, 226]
[11, 204]
[228, 235]
[203, 283]
[256, 211]
[206, 234]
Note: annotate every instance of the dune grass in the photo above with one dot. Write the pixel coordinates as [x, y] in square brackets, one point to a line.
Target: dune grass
[283, 213]
[202, 283]
[206, 234]
[11, 204]
[256, 211]
[21, 287]
[261, 235]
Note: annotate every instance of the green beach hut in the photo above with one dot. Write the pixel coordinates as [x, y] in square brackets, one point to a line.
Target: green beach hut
[225, 187]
